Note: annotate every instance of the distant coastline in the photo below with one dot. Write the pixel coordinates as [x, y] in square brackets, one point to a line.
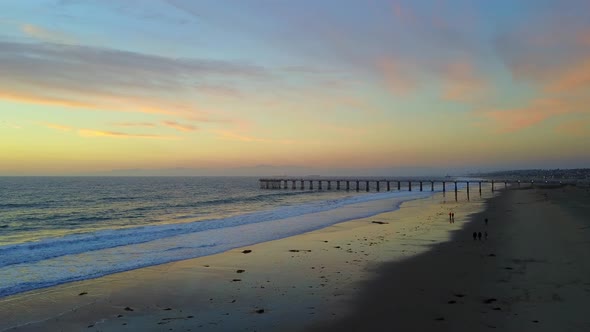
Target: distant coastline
[580, 176]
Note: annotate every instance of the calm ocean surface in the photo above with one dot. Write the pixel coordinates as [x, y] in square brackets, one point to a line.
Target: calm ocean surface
[59, 229]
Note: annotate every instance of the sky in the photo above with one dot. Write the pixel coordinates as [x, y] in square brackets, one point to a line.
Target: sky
[277, 85]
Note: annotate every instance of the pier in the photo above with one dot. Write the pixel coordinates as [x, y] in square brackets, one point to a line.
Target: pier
[368, 184]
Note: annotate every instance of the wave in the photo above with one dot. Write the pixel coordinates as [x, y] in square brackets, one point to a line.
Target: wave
[103, 239]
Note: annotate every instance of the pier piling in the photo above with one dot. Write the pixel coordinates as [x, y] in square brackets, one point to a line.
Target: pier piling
[291, 183]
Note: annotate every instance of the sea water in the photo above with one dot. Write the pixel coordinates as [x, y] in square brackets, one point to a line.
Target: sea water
[55, 230]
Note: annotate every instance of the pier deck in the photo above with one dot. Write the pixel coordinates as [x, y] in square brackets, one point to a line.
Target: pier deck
[367, 184]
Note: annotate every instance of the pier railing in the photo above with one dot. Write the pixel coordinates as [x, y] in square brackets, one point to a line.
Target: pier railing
[366, 184]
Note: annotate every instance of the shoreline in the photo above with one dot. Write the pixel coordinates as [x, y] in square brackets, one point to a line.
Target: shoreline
[316, 270]
[531, 274]
[91, 255]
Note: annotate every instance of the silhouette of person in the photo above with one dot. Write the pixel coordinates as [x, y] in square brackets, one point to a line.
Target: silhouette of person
[479, 235]
[486, 220]
[474, 235]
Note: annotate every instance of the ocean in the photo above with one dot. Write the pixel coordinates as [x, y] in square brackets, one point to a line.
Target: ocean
[55, 230]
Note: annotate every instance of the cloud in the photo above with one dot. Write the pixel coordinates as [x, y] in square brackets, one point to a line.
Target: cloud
[583, 37]
[46, 35]
[5, 124]
[114, 80]
[179, 126]
[40, 99]
[228, 135]
[116, 134]
[57, 127]
[550, 54]
[572, 78]
[574, 128]
[461, 83]
[107, 133]
[538, 110]
[403, 13]
[134, 124]
[396, 76]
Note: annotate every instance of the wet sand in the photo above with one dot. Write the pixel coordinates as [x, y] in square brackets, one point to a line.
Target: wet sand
[531, 274]
[288, 284]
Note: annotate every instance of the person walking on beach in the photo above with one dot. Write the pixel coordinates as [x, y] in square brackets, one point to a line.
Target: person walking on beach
[474, 235]
[479, 235]
[486, 220]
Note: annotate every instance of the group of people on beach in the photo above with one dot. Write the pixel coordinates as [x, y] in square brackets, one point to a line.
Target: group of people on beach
[478, 235]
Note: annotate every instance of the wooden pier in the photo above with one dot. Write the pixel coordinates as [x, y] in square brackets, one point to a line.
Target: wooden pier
[366, 184]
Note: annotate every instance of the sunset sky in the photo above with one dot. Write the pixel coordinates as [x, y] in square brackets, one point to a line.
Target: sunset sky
[98, 85]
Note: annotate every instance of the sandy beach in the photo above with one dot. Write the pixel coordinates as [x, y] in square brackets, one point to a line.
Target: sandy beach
[531, 274]
[407, 270]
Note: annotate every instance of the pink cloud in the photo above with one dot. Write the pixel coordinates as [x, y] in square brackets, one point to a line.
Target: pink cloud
[396, 77]
[179, 126]
[553, 56]
[403, 13]
[461, 83]
[572, 78]
[583, 37]
[515, 119]
[113, 80]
